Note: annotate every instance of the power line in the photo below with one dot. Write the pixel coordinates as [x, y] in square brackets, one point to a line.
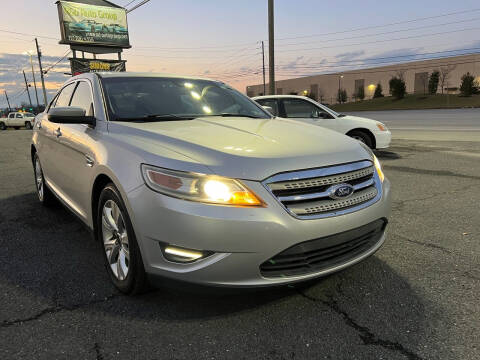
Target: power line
[381, 26]
[60, 60]
[26, 34]
[384, 58]
[382, 33]
[381, 41]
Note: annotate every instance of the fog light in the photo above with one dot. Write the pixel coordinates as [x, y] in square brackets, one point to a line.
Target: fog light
[176, 254]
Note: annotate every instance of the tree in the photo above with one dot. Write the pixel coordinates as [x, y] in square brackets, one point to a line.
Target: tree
[360, 93]
[378, 91]
[398, 88]
[433, 82]
[342, 96]
[469, 86]
[445, 75]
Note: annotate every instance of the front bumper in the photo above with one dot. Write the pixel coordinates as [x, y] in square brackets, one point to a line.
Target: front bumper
[382, 139]
[241, 238]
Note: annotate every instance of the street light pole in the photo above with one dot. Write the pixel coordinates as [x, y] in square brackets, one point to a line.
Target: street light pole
[29, 53]
[263, 65]
[8, 102]
[39, 54]
[271, 48]
[26, 87]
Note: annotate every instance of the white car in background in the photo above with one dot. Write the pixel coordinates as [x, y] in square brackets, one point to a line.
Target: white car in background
[370, 132]
[17, 120]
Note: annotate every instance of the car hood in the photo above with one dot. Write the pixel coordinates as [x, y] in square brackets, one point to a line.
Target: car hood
[368, 123]
[243, 148]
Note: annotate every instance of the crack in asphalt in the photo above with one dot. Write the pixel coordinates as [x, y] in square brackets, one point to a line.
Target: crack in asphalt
[56, 309]
[98, 352]
[430, 245]
[430, 172]
[367, 336]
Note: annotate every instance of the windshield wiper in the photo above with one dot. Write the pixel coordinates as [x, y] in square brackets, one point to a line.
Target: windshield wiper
[157, 117]
[341, 115]
[238, 115]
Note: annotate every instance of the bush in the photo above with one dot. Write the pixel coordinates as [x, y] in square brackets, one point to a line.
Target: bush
[342, 96]
[378, 91]
[469, 86]
[433, 82]
[360, 93]
[398, 89]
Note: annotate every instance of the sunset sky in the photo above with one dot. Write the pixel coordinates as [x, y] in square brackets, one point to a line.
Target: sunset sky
[221, 39]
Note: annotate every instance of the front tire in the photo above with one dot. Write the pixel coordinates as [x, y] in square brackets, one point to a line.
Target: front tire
[122, 255]
[362, 137]
[28, 125]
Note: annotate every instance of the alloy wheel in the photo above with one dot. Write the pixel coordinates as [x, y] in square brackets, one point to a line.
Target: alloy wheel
[115, 239]
[39, 178]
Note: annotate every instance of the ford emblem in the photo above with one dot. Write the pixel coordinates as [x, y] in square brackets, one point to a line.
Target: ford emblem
[340, 191]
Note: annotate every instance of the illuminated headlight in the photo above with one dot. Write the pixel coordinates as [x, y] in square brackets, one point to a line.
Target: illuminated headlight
[199, 187]
[378, 167]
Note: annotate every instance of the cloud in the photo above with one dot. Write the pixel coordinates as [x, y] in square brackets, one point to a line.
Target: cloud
[350, 55]
[11, 66]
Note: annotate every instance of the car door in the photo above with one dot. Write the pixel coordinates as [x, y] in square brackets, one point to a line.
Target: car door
[77, 157]
[50, 142]
[19, 120]
[11, 119]
[306, 111]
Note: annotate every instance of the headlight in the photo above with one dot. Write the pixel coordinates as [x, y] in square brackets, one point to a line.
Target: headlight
[382, 127]
[199, 187]
[379, 168]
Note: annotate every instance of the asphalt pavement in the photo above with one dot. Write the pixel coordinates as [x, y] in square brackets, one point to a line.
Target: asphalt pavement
[416, 298]
[430, 125]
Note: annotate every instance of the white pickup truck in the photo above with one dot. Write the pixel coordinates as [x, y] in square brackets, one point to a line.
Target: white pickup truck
[17, 120]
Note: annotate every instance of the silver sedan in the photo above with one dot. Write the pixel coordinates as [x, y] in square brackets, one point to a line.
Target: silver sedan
[188, 179]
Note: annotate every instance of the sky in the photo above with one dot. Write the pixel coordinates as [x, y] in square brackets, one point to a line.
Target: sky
[222, 39]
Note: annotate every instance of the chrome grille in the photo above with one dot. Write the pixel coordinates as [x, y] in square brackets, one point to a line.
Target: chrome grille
[307, 194]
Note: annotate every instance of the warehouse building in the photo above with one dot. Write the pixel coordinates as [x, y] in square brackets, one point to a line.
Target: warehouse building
[324, 88]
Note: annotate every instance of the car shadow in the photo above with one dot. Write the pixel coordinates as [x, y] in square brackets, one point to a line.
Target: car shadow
[387, 155]
[48, 254]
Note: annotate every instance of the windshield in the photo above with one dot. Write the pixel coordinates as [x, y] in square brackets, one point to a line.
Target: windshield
[163, 99]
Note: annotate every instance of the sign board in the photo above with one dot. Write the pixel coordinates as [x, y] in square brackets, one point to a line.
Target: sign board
[80, 66]
[93, 25]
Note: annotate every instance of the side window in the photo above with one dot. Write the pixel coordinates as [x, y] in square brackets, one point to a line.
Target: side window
[19, 116]
[64, 98]
[83, 98]
[11, 116]
[297, 108]
[270, 102]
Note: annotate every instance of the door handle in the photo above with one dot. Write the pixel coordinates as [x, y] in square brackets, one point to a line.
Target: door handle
[89, 160]
[57, 133]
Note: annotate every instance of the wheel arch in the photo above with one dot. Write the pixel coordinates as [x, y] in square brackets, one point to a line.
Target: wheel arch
[366, 131]
[100, 182]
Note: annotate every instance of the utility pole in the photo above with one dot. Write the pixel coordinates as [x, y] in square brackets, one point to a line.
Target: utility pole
[263, 63]
[33, 75]
[8, 102]
[39, 54]
[271, 48]
[28, 91]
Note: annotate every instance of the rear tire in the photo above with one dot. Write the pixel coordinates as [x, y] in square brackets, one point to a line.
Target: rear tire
[45, 196]
[28, 125]
[362, 136]
[123, 259]
[2, 126]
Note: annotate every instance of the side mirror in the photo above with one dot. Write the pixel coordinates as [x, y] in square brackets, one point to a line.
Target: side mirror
[70, 115]
[269, 109]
